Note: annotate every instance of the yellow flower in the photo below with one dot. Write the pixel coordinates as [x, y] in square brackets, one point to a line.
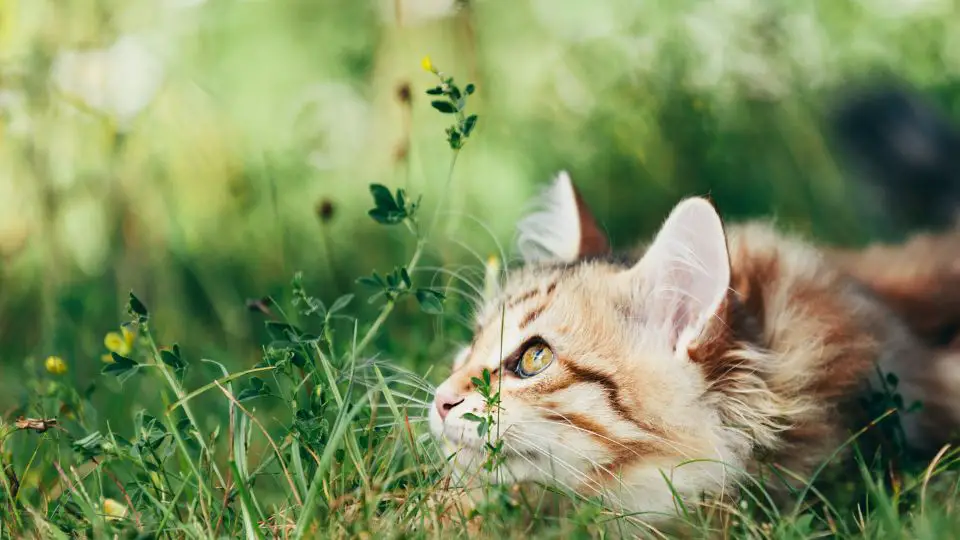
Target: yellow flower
[120, 342]
[55, 365]
[113, 510]
[114, 343]
[427, 64]
[128, 334]
[491, 278]
[106, 358]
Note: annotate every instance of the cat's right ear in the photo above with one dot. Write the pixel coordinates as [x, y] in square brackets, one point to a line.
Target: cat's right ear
[683, 279]
[560, 228]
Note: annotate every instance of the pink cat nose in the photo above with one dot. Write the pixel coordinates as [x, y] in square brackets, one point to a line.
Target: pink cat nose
[446, 402]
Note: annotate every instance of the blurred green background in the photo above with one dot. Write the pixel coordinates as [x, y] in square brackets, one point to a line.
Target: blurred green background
[183, 148]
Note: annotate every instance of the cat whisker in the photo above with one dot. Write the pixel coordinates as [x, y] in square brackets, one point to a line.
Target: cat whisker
[409, 398]
[465, 322]
[490, 234]
[395, 424]
[593, 462]
[458, 274]
[672, 444]
[513, 435]
[545, 474]
[584, 480]
[403, 407]
[370, 382]
[400, 398]
[483, 268]
[412, 384]
[387, 365]
[474, 296]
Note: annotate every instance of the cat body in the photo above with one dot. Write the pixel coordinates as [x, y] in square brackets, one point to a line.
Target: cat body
[679, 370]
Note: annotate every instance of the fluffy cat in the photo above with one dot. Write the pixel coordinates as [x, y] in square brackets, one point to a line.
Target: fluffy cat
[677, 370]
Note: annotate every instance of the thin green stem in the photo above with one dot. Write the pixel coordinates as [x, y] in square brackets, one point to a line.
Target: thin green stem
[313, 495]
[211, 386]
[412, 264]
[181, 394]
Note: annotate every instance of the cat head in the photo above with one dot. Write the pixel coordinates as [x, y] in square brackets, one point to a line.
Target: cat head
[596, 361]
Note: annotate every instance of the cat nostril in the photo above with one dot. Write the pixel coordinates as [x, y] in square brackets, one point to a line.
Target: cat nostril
[446, 403]
[448, 406]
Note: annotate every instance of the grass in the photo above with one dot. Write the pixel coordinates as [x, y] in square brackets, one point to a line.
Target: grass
[301, 415]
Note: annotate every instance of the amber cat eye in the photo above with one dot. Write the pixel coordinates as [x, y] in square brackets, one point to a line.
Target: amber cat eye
[534, 359]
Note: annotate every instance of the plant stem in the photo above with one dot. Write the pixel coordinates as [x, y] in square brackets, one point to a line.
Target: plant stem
[181, 394]
[311, 501]
[412, 264]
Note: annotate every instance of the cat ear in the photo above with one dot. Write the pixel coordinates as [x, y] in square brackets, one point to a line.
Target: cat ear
[560, 228]
[684, 276]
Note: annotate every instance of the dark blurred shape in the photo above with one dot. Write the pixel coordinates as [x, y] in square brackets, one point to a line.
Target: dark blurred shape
[400, 153]
[908, 151]
[404, 94]
[325, 210]
[260, 306]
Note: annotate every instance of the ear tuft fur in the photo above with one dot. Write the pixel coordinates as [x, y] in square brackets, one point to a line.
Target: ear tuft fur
[560, 227]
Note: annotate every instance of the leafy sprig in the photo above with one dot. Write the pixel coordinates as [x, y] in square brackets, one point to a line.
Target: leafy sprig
[398, 284]
[454, 101]
[491, 401]
[390, 209]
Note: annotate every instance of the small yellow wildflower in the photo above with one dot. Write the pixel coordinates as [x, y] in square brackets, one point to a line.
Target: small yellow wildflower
[128, 334]
[491, 278]
[114, 342]
[55, 365]
[119, 342]
[113, 510]
[427, 64]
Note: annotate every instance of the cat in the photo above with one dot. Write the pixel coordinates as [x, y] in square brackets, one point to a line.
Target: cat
[677, 370]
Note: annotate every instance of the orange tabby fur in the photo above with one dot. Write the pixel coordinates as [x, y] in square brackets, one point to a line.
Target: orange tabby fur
[717, 349]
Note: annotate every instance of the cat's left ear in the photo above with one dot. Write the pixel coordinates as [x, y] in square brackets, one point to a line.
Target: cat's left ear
[681, 283]
[560, 228]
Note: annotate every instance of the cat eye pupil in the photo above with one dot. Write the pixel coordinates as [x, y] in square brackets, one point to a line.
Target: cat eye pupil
[534, 359]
